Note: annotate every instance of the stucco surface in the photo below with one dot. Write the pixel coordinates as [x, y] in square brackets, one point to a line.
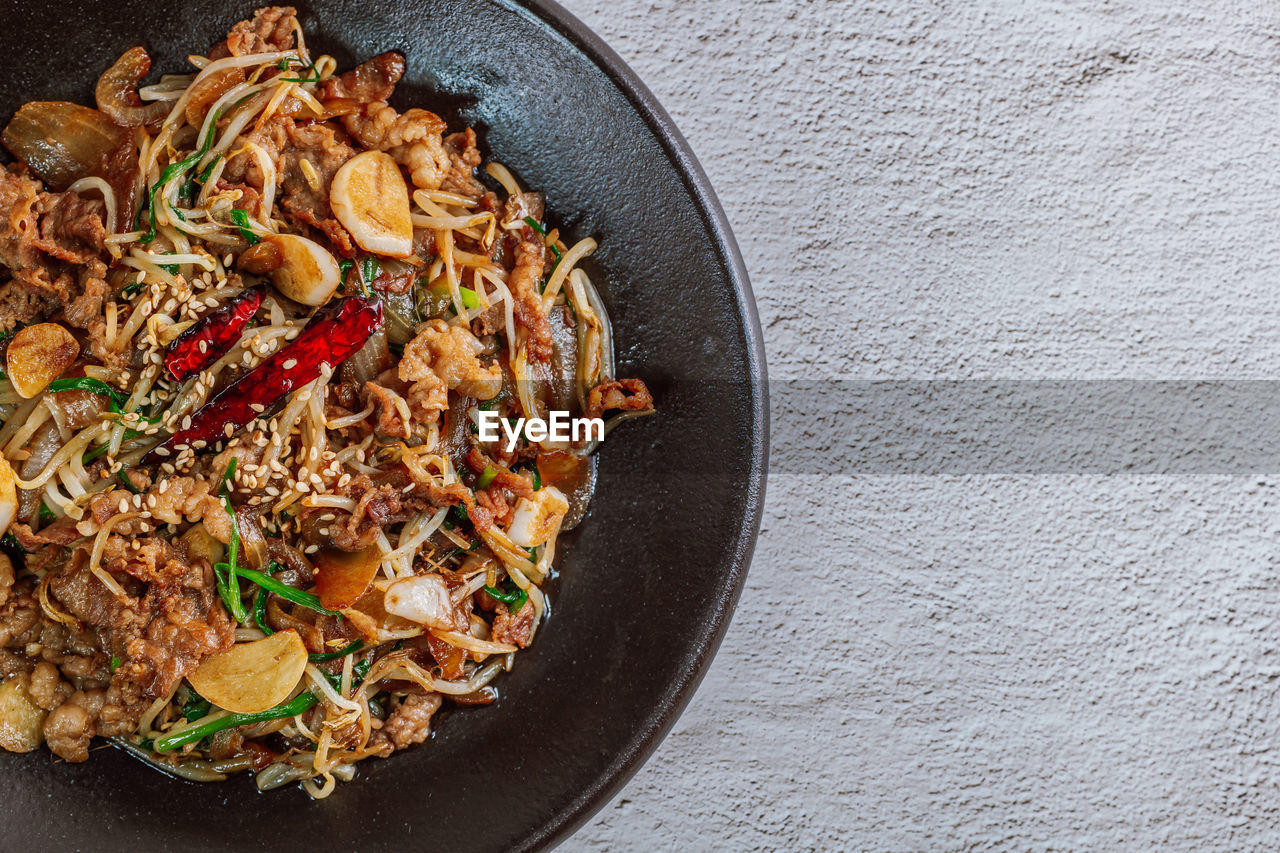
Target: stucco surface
[933, 654]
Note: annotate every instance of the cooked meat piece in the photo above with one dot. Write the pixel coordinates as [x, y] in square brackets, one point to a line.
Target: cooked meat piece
[270, 29]
[160, 637]
[630, 395]
[70, 726]
[46, 687]
[391, 421]
[512, 629]
[37, 230]
[445, 355]
[408, 724]
[464, 157]
[176, 499]
[372, 80]
[71, 227]
[19, 221]
[525, 277]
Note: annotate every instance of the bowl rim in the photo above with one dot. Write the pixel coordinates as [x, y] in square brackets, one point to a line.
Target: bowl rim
[677, 695]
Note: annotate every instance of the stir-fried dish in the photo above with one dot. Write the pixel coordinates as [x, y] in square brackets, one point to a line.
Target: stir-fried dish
[254, 322]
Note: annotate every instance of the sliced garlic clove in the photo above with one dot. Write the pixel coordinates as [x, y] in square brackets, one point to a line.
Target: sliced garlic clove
[8, 495]
[369, 197]
[252, 677]
[537, 517]
[307, 273]
[423, 599]
[37, 355]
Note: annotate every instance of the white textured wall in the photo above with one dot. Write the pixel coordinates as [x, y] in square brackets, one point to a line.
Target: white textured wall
[1042, 189]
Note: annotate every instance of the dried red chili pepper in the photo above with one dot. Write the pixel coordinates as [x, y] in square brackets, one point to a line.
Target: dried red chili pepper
[332, 336]
[218, 330]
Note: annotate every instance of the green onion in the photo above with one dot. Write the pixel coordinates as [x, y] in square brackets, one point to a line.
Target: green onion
[537, 477]
[286, 592]
[127, 483]
[94, 386]
[229, 475]
[535, 225]
[370, 269]
[172, 171]
[514, 600]
[115, 662]
[494, 401]
[228, 573]
[203, 177]
[130, 289]
[45, 513]
[302, 702]
[12, 541]
[260, 612]
[486, 477]
[344, 267]
[321, 657]
[241, 219]
[469, 298]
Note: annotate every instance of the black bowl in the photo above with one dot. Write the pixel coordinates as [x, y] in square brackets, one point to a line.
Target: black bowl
[649, 580]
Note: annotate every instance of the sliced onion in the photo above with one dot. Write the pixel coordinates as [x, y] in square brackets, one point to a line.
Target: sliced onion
[370, 360]
[401, 313]
[64, 142]
[117, 91]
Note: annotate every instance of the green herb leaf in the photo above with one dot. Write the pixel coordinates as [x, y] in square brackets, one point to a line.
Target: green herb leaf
[241, 219]
[302, 702]
[350, 648]
[124, 480]
[172, 171]
[95, 386]
[514, 600]
[286, 592]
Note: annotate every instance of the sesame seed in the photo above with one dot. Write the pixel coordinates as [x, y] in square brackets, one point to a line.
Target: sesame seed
[162, 451]
[311, 549]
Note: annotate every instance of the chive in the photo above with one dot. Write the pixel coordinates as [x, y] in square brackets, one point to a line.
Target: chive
[115, 662]
[490, 403]
[95, 386]
[172, 171]
[130, 289]
[292, 708]
[535, 225]
[196, 707]
[260, 612]
[229, 476]
[537, 477]
[370, 269]
[458, 514]
[286, 592]
[486, 477]
[228, 573]
[350, 648]
[203, 177]
[514, 600]
[241, 219]
[127, 483]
